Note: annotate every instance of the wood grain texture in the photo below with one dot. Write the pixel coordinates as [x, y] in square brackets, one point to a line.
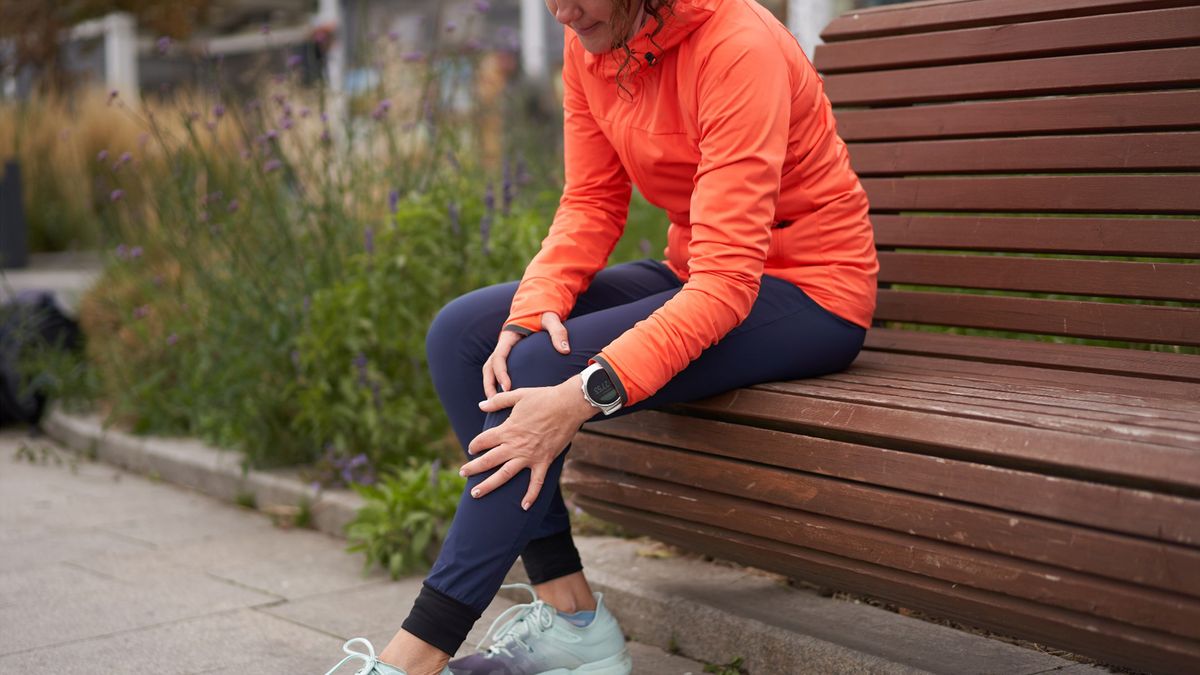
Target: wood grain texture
[1102, 113]
[1168, 151]
[1097, 320]
[672, 493]
[1108, 641]
[1135, 194]
[1158, 281]
[1164, 374]
[1150, 237]
[1105, 32]
[942, 15]
[1175, 67]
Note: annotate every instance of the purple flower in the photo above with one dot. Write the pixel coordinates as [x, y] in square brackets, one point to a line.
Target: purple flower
[125, 158]
[163, 45]
[315, 485]
[474, 45]
[116, 195]
[233, 206]
[380, 110]
[393, 200]
[218, 111]
[482, 6]
[101, 156]
[451, 26]
[485, 232]
[294, 61]
[304, 113]
[325, 137]
[135, 252]
[272, 134]
[265, 29]
[286, 123]
[506, 192]
[393, 35]
[489, 198]
[141, 312]
[369, 240]
[325, 117]
[172, 339]
[272, 165]
[455, 226]
[412, 57]
[122, 250]
[112, 96]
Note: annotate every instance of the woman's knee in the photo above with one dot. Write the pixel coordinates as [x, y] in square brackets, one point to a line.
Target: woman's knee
[464, 320]
[533, 362]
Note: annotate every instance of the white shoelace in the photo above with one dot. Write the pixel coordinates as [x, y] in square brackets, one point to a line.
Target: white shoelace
[541, 614]
[369, 658]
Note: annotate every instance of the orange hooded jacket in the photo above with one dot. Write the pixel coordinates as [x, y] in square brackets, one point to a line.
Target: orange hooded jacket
[725, 125]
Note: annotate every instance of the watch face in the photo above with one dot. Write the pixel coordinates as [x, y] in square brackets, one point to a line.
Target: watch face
[600, 388]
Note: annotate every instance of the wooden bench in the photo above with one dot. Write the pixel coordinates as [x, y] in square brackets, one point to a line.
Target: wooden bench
[1011, 150]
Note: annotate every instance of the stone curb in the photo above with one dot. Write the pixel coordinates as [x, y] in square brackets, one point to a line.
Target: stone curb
[704, 611]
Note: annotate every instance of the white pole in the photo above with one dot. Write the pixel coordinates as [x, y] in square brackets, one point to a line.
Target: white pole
[120, 54]
[806, 18]
[330, 13]
[533, 39]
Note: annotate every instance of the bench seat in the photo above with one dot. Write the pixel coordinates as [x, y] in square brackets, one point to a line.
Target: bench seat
[1017, 448]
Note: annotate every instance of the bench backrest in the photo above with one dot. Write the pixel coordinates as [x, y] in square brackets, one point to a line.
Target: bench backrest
[1033, 168]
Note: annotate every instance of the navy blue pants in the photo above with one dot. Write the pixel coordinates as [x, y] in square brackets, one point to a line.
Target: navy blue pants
[786, 336]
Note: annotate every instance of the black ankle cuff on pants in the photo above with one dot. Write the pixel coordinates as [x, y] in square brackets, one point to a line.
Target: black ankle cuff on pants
[440, 620]
[551, 557]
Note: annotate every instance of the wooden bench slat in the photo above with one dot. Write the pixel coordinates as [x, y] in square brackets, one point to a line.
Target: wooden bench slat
[1150, 237]
[992, 441]
[1104, 507]
[1174, 67]
[1175, 375]
[1096, 320]
[1118, 152]
[1051, 585]
[925, 17]
[1161, 194]
[1140, 111]
[1106, 415]
[1159, 281]
[1110, 641]
[1106, 32]
[1095, 425]
[1130, 393]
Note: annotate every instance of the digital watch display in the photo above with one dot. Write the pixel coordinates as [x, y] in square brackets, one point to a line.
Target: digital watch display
[599, 389]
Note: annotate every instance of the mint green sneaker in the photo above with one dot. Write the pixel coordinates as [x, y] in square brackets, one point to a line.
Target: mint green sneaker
[537, 640]
[373, 666]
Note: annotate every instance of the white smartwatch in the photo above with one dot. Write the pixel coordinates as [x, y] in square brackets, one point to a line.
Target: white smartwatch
[599, 390]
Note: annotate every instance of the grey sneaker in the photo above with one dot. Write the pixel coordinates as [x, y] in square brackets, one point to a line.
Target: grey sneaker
[536, 640]
[373, 666]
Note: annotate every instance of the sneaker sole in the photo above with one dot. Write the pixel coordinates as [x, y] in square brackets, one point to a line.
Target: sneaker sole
[618, 664]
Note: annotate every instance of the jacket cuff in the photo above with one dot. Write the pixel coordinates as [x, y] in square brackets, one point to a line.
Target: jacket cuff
[518, 329]
[612, 374]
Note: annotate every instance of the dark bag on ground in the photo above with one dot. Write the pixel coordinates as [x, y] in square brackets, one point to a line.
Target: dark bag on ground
[31, 317]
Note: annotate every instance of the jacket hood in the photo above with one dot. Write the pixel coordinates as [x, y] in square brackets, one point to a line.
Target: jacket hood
[685, 17]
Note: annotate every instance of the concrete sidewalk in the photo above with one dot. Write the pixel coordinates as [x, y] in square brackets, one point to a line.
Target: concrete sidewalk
[104, 571]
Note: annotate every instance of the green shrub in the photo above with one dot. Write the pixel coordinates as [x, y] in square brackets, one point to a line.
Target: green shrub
[405, 518]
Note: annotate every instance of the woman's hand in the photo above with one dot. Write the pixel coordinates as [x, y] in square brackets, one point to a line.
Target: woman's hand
[542, 423]
[495, 369]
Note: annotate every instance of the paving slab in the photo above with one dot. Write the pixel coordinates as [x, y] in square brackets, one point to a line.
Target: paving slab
[104, 571]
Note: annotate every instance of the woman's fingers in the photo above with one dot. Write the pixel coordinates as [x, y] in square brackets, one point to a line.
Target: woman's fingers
[489, 378]
[558, 332]
[537, 477]
[502, 475]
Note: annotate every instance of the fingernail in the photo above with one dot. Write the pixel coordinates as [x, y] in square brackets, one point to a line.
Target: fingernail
[482, 402]
[564, 344]
[475, 492]
[462, 472]
[525, 505]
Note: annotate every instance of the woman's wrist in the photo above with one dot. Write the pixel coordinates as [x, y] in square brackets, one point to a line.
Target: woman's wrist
[579, 407]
